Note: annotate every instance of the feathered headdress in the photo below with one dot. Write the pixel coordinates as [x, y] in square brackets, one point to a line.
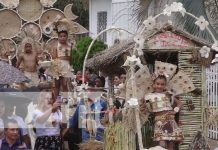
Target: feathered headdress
[62, 25]
[70, 26]
[27, 40]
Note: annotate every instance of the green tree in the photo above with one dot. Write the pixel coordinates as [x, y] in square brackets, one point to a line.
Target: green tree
[79, 8]
[60, 4]
[81, 49]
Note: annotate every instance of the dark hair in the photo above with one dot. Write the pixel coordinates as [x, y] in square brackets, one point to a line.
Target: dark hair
[122, 74]
[63, 32]
[161, 77]
[89, 70]
[102, 79]
[7, 121]
[117, 75]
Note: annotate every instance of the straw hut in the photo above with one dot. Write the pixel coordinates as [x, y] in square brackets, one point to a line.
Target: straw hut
[175, 46]
[112, 57]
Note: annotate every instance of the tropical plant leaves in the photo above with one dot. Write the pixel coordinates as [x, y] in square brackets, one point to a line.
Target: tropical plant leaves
[141, 12]
[81, 49]
[187, 23]
[197, 8]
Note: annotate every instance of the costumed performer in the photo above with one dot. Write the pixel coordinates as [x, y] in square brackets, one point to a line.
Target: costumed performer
[166, 130]
[29, 59]
[61, 69]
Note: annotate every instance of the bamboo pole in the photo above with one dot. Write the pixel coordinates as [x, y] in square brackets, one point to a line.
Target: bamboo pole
[138, 123]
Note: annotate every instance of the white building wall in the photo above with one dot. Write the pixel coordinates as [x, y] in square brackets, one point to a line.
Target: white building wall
[120, 14]
[95, 7]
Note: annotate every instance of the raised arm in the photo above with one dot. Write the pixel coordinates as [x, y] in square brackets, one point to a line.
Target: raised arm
[47, 114]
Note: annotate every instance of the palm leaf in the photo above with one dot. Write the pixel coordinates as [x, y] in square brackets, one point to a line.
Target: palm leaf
[197, 8]
[141, 11]
[212, 10]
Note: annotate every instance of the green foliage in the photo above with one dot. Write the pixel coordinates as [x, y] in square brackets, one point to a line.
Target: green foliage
[79, 8]
[148, 132]
[60, 4]
[81, 49]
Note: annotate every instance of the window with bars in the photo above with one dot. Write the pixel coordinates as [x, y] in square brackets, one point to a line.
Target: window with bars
[102, 24]
[212, 95]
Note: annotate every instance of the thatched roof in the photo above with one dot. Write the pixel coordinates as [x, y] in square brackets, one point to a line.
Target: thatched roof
[110, 58]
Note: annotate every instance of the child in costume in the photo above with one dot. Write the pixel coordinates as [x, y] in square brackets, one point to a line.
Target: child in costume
[166, 130]
[29, 59]
[163, 102]
[160, 99]
[61, 69]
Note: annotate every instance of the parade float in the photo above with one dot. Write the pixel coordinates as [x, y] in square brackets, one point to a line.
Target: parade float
[167, 44]
[193, 56]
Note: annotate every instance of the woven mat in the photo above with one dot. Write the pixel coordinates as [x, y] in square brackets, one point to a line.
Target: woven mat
[30, 10]
[9, 27]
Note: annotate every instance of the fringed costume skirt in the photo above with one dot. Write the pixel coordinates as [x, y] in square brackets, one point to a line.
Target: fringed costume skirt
[59, 68]
[166, 129]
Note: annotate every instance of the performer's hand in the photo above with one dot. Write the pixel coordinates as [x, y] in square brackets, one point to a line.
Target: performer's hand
[172, 112]
[143, 107]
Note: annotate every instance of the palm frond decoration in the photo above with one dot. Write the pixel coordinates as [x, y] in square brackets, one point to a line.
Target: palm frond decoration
[197, 8]
[141, 11]
[212, 12]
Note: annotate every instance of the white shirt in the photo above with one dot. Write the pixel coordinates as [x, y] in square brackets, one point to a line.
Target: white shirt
[47, 129]
[116, 88]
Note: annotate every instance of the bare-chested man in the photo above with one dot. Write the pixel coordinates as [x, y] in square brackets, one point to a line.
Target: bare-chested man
[29, 59]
